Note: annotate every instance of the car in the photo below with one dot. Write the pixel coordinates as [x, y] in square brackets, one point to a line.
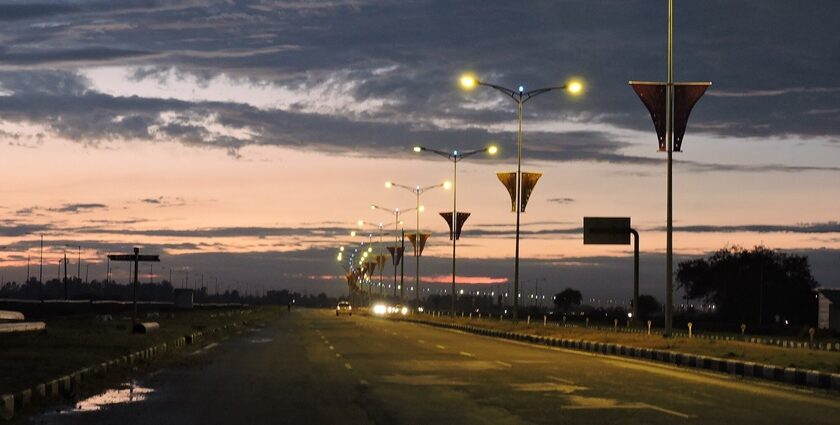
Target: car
[343, 307]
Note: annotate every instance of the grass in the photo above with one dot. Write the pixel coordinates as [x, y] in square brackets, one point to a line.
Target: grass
[826, 361]
[75, 341]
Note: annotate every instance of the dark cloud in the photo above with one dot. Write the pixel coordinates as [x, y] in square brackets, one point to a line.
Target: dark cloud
[375, 51]
[12, 229]
[562, 201]
[829, 227]
[77, 208]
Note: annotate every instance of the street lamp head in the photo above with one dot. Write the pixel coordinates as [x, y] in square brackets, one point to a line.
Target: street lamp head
[492, 150]
[575, 87]
[447, 185]
[341, 248]
[421, 209]
[388, 184]
[353, 233]
[360, 222]
[468, 81]
[372, 206]
[419, 149]
[521, 89]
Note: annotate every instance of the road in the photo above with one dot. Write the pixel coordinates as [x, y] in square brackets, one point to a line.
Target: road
[310, 367]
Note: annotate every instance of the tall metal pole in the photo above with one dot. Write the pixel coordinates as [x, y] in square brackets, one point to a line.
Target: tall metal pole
[669, 129]
[518, 208]
[454, 224]
[136, 266]
[66, 291]
[635, 317]
[417, 246]
[41, 266]
[79, 265]
[402, 271]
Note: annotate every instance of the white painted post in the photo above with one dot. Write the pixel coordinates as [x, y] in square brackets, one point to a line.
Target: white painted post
[615, 325]
[479, 316]
[811, 332]
[564, 320]
[690, 325]
[545, 320]
[649, 323]
[529, 320]
[743, 328]
[470, 316]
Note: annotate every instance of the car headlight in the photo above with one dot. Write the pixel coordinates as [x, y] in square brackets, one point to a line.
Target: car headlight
[404, 311]
[379, 309]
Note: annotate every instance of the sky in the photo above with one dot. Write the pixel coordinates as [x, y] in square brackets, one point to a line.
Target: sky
[242, 141]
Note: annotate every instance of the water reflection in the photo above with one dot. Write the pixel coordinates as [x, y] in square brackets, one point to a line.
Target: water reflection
[128, 392]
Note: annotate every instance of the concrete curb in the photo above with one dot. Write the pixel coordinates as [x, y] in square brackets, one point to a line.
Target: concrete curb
[67, 386]
[794, 376]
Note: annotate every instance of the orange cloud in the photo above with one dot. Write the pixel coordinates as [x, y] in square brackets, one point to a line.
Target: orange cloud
[465, 280]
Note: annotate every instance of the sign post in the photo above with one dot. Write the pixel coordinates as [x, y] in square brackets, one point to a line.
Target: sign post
[136, 258]
[615, 231]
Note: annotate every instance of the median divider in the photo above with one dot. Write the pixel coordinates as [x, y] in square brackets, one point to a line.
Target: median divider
[794, 376]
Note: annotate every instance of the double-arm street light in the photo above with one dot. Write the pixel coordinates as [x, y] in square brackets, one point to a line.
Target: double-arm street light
[381, 264]
[520, 96]
[396, 212]
[455, 156]
[418, 239]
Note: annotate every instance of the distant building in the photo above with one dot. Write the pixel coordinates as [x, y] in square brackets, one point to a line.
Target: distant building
[829, 309]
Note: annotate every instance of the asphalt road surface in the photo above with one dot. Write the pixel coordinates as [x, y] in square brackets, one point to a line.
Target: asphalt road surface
[310, 367]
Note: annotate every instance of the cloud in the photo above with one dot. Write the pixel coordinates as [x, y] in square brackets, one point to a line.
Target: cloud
[562, 201]
[77, 208]
[827, 227]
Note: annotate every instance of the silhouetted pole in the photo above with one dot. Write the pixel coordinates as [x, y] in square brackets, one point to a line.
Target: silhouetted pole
[41, 266]
[635, 275]
[136, 266]
[66, 291]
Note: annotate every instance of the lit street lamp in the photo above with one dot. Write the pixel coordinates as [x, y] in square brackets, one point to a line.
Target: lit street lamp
[396, 212]
[455, 222]
[418, 240]
[519, 96]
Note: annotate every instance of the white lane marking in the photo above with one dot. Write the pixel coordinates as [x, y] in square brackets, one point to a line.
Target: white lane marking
[332, 348]
[466, 354]
[337, 355]
[213, 345]
[441, 347]
[565, 381]
[499, 362]
[599, 406]
[394, 334]
[362, 382]
[421, 341]
[347, 365]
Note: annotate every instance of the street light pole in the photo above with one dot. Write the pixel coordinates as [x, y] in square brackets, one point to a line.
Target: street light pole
[417, 190]
[456, 156]
[519, 96]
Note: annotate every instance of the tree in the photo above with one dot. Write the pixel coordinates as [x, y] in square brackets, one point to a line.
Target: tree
[567, 298]
[752, 286]
[648, 307]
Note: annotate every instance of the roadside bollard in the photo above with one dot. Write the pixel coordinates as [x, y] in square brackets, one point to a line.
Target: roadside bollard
[615, 325]
[479, 316]
[690, 325]
[649, 323]
[501, 317]
[564, 320]
[743, 329]
[529, 320]
[628, 323]
[811, 336]
[470, 316]
[587, 322]
[462, 314]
